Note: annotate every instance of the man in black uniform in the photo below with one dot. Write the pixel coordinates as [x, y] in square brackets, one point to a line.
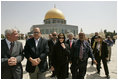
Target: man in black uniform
[93, 42]
[51, 43]
[93, 38]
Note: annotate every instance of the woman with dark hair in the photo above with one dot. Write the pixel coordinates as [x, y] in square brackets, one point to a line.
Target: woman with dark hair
[60, 56]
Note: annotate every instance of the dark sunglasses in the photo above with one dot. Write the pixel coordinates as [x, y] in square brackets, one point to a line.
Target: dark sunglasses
[54, 34]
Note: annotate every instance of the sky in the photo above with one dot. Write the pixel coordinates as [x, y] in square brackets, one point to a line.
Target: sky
[91, 16]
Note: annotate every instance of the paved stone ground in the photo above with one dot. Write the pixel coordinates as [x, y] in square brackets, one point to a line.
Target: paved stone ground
[91, 70]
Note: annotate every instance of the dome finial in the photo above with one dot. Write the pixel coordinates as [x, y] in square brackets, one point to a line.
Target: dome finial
[81, 30]
[54, 5]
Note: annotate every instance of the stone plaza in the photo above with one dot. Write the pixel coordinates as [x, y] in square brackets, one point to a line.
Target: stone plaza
[91, 70]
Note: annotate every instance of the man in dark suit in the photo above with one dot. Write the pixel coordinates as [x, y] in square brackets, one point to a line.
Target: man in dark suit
[36, 50]
[51, 43]
[11, 56]
[80, 54]
[71, 43]
[93, 42]
[101, 53]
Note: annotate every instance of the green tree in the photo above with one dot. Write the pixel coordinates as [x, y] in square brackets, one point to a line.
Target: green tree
[2, 36]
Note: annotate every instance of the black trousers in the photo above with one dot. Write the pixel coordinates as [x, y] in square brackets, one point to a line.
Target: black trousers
[104, 61]
[78, 71]
[50, 64]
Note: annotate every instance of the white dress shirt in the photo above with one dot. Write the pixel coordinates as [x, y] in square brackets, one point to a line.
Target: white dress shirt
[36, 41]
[8, 43]
[54, 41]
[71, 41]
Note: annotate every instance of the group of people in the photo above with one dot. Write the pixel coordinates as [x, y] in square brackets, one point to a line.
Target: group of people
[60, 51]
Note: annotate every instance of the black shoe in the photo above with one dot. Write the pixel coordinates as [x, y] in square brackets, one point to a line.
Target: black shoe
[100, 67]
[92, 64]
[98, 72]
[52, 75]
[108, 77]
[108, 60]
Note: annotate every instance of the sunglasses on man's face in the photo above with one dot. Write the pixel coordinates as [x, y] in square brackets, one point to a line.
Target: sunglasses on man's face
[54, 35]
[36, 32]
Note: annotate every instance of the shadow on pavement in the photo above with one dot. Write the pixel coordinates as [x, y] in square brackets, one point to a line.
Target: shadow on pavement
[91, 69]
[94, 76]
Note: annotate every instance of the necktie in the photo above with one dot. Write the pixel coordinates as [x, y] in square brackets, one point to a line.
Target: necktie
[81, 52]
[11, 47]
[70, 44]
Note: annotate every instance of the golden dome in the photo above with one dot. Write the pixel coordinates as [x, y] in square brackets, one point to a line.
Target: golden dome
[54, 13]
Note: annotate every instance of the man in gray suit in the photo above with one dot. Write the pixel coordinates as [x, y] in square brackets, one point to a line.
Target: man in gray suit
[36, 50]
[11, 56]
